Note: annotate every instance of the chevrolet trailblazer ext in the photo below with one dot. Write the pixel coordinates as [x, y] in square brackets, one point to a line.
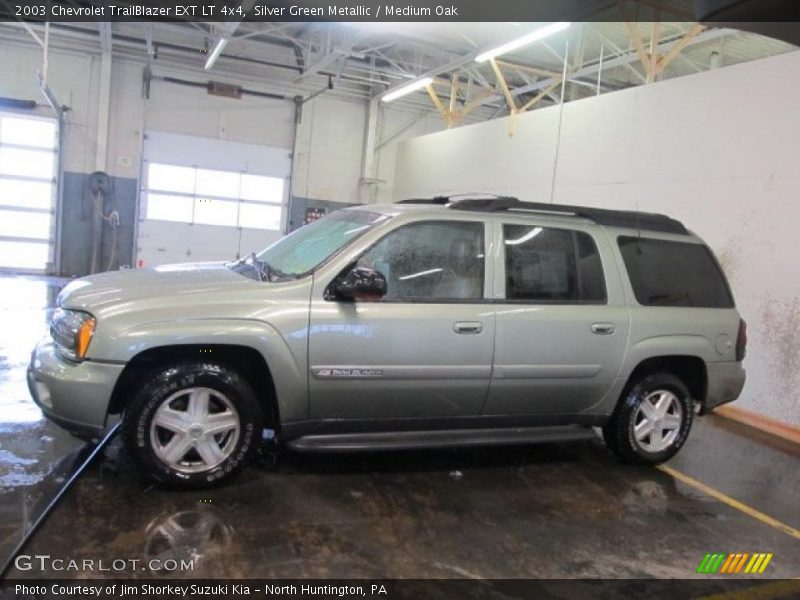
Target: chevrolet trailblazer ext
[418, 324]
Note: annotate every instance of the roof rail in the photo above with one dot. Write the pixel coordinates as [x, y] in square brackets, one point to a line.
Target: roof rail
[613, 218]
[444, 200]
[441, 200]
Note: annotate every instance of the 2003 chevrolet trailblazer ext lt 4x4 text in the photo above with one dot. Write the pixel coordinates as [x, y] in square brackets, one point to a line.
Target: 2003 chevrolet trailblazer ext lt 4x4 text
[423, 323]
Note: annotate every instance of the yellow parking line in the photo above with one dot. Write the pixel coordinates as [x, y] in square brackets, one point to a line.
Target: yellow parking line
[732, 502]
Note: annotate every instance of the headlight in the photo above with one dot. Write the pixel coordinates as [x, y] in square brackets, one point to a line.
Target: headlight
[72, 331]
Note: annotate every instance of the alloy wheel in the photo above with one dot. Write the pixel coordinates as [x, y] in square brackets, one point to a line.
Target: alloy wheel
[657, 421]
[195, 430]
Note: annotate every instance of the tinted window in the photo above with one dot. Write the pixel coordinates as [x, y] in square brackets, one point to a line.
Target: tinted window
[665, 273]
[430, 261]
[552, 265]
[591, 281]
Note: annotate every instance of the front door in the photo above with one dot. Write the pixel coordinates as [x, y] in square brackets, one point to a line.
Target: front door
[562, 325]
[424, 350]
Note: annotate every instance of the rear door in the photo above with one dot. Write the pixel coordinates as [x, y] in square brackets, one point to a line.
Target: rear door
[561, 320]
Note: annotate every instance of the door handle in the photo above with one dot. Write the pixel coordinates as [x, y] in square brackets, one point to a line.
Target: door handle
[602, 328]
[468, 327]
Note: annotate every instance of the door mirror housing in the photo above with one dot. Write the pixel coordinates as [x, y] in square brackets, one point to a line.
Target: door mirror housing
[359, 283]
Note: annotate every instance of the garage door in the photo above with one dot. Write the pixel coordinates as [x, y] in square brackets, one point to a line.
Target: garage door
[208, 200]
[28, 158]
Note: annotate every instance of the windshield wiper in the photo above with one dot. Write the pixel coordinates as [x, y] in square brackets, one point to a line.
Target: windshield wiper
[266, 272]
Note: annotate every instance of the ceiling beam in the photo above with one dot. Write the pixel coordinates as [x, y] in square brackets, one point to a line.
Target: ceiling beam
[627, 58]
[105, 36]
[330, 57]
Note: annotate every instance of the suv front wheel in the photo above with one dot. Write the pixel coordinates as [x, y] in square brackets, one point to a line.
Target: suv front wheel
[652, 421]
[193, 424]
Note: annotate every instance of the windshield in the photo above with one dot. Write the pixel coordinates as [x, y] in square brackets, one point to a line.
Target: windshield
[311, 245]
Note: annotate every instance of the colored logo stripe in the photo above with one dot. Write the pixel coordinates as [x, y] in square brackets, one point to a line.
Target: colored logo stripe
[758, 563]
[711, 563]
[734, 563]
[723, 563]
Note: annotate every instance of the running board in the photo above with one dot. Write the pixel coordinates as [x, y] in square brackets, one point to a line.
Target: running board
[410, 440]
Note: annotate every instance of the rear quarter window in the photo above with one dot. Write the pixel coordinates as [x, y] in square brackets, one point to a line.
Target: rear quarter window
[668, 273]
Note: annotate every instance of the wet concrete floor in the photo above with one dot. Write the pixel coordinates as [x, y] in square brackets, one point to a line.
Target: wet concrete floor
[564, 510]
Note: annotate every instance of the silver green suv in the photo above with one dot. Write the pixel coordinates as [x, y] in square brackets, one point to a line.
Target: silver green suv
[439, 322]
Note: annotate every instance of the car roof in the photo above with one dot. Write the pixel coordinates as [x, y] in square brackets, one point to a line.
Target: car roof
[619, 222]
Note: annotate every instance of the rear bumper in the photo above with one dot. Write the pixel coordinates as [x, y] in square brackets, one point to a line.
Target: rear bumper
[725, 383]
[75, 396]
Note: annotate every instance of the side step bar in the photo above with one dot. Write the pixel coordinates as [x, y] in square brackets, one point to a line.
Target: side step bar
[409, 440]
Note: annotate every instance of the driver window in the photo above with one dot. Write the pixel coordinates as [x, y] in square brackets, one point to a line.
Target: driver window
[434, 260]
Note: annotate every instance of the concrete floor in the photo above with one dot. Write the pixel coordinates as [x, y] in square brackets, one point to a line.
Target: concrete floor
[558, 511]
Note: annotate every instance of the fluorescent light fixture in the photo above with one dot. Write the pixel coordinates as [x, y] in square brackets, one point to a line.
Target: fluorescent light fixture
[525, 238]
[420, 274]
[406, 89]
[533, 36]
[218, 48]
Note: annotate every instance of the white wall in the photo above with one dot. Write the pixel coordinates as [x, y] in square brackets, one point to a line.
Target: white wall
[397, 119]
[717, 150]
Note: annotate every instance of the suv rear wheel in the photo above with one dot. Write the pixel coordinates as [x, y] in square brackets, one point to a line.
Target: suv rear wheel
[652, 421]
[193, 424]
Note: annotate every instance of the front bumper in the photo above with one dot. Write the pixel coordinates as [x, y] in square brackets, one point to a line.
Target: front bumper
[73, 395]
[725, 383]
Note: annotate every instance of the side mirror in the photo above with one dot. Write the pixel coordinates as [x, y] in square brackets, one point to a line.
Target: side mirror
[359, 282]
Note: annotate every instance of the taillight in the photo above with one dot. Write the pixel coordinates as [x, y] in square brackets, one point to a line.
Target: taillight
[741, 341]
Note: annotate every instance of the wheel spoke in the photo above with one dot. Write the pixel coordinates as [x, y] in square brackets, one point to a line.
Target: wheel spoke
[209, 451]
[171, 419]
[643, 429]
[663, 403]
[198, 404]
[220, 422]
[176, 448]
[656, 438]
[173, 527]
[672, 422]
[648, 409]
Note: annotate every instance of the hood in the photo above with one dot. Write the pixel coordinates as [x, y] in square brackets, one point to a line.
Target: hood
[96, 292]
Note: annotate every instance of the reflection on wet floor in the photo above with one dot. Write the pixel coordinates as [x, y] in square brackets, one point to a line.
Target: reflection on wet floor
[564, 510]
[553, 511]
[35, 455]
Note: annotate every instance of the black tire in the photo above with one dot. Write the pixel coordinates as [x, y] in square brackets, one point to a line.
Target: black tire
[224, 388]
[620, 432]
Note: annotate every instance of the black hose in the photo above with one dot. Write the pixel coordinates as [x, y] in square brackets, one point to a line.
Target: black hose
[52, 504]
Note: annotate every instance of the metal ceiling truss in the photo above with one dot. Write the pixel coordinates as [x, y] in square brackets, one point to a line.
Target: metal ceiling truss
[309, 59]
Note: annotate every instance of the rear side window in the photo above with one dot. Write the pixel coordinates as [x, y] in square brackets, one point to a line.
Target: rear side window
[666, 273]
[552, 266]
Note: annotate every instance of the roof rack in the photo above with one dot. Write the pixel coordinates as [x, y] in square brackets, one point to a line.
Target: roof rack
[613, 218]
[441, 200]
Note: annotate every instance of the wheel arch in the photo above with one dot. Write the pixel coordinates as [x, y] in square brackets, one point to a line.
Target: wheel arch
[690, 369]
[244, 359]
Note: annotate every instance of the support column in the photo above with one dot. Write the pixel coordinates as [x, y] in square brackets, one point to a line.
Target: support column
[103, 111]
[369, 170]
